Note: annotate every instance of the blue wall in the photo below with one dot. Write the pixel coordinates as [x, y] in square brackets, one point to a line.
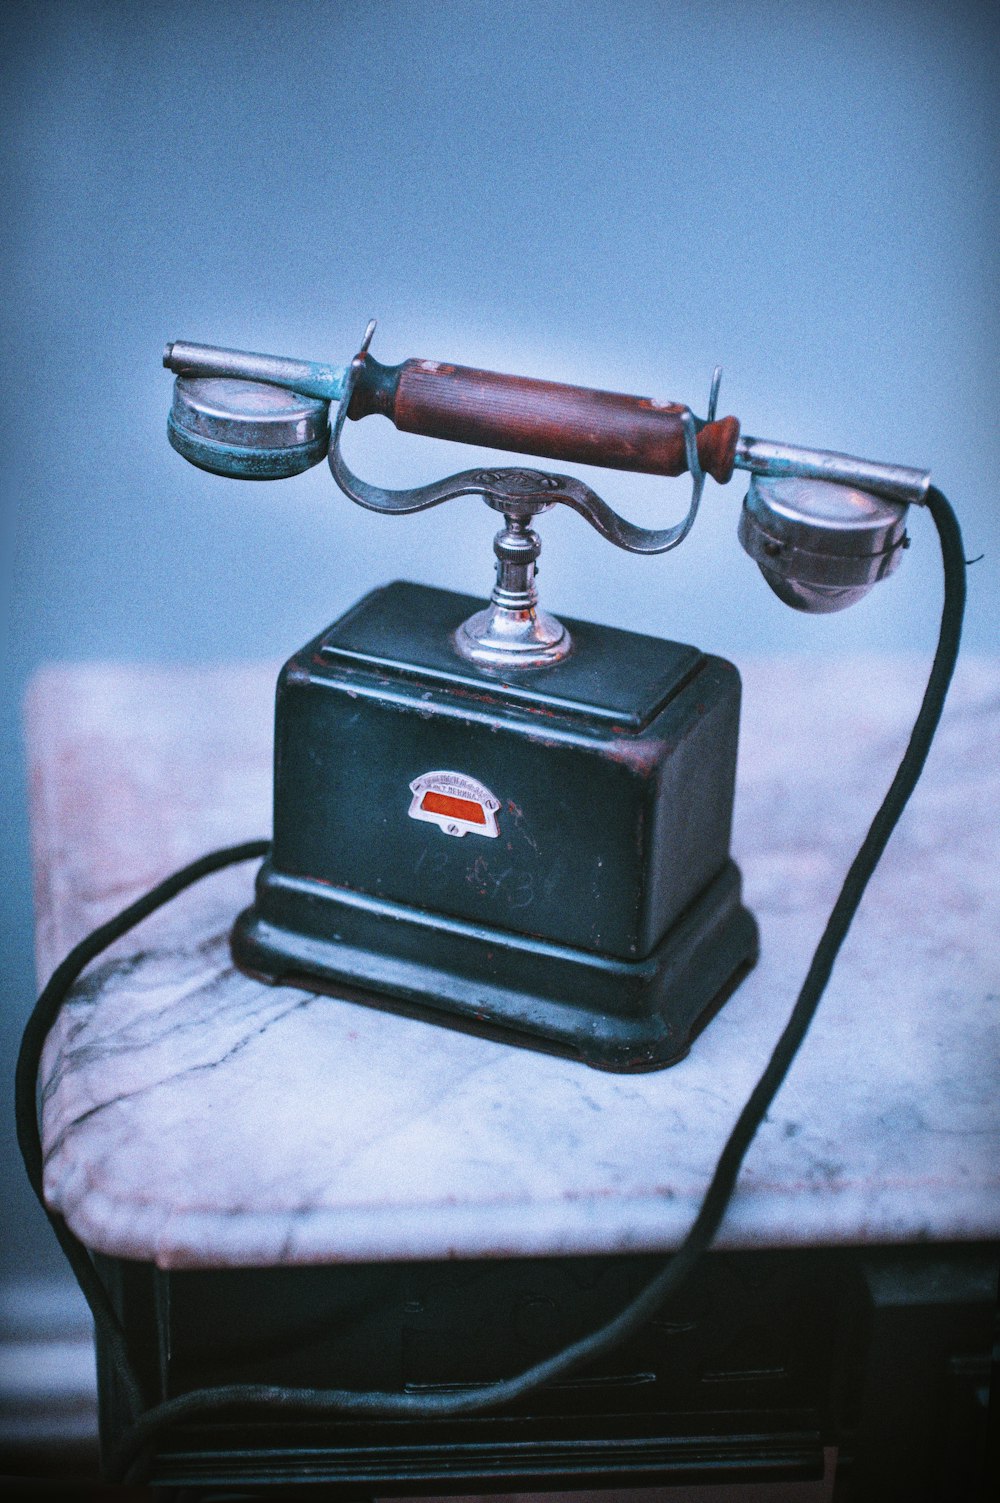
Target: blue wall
[618, 194]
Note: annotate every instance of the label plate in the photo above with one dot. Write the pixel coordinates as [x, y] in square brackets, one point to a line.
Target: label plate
[457, 804]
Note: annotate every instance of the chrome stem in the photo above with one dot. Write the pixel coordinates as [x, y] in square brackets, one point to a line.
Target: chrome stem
[513, 632]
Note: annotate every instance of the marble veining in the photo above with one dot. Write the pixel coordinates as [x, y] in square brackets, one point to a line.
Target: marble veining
[194, 1117]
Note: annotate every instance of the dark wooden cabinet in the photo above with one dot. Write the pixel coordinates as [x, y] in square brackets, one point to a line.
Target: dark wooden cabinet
[764, 1364]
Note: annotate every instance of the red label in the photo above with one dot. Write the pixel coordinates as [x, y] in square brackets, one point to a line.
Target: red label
[457, 803]
[454, 808]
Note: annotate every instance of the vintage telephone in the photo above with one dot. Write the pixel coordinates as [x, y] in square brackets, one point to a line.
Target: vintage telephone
[485, 815]
[496, 820]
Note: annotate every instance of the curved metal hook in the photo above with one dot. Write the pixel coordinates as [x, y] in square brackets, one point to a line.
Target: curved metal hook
[518, 492]
[375, 497]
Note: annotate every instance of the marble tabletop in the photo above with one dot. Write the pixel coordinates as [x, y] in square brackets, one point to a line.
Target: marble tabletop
[196, 1118]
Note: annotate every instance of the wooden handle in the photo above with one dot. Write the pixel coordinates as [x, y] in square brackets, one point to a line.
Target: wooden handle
[544, 418]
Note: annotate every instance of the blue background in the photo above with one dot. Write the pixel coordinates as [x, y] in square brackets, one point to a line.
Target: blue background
[616, 194]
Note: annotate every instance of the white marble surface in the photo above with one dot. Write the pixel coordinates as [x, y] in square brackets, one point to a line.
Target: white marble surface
[196, 1118]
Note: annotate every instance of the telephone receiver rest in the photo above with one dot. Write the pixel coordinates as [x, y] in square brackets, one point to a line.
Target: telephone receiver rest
[822, 527]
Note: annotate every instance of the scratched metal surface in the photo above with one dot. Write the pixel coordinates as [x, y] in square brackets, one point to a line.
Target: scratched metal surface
[197, 1118]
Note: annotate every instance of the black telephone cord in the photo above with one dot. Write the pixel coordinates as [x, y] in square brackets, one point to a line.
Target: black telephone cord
[132, 1451]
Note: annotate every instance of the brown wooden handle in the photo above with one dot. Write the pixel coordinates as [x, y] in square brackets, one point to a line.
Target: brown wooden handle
[558, 422]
